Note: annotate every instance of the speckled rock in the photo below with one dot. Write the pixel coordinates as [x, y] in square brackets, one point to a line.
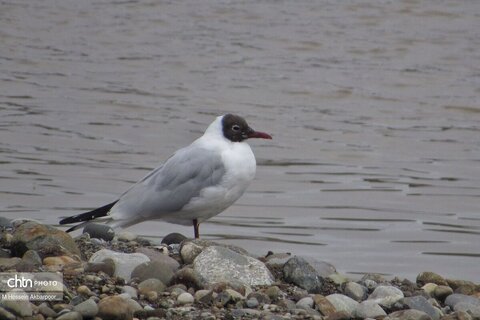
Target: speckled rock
[386, 296]
[125, 263]
[219, 264]
[298, 271]
[430, 277]
[343, 303]
[45, 240]
[369, 309]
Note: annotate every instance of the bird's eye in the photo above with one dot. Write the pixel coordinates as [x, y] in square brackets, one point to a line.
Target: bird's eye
[236, 127]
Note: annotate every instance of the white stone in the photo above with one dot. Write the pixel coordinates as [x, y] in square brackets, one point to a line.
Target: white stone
[124, 262]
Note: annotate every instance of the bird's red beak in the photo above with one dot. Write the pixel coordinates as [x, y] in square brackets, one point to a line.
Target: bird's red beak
[258, 134]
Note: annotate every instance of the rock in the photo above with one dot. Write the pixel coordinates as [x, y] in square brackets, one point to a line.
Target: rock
[6, 315]
[299, 272]
[421, 303]
[106, 266]
[126, 236]
[343, 303]
[155, 255]
[131, 291]
[153, 269]
[322, 268]
[456, 284]
[322, 304]
[71, 315]
[204, 296]
[277, 260]
[457, 315]
[369, 309]
[32, 256]
[305, 303]
[455, 298]
[252, 303]
[21, 308]
[88, 308]
[117, 308]
[99, 231]
[473, 310]
[188, 277]
[442, 292]
[173, 238]
[235, 296]
[430, 277]
[338, 278]
[58, 263]
[222, 299]
[273, 293]
[189, 250]
[124, 262]
[9, 263]
[185, 298]
[5, 223]
[262, 298]
[219, 264]
[429, 288]
[409, 314]
[46, 311]
[356, 291]
[151, 285]
[386, 296]
[84, 290]
[46, 240]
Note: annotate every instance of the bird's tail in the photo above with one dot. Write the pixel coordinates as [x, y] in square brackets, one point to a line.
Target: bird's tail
[87, 216]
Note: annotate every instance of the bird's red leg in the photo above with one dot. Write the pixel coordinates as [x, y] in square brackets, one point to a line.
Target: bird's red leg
[196, 224]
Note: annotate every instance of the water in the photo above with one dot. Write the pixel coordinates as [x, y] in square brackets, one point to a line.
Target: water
[374, 109]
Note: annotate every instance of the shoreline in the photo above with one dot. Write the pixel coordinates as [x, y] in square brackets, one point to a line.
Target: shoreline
[123, 276]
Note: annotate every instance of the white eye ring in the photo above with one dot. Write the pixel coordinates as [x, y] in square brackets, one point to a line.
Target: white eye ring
[236, 127]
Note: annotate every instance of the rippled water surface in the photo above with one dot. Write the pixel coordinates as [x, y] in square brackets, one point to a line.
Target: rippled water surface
[373, 105]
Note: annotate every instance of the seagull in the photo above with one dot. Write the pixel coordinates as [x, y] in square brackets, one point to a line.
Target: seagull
[196, 183]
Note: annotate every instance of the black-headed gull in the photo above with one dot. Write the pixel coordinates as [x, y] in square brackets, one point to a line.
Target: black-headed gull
[196, 183]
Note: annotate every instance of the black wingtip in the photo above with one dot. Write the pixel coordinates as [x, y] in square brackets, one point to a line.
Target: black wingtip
[99, 212]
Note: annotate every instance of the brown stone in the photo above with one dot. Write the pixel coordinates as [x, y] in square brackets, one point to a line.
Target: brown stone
[325, 307]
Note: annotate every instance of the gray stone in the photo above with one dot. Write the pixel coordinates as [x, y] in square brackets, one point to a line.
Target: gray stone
[455, 298]
[190, 249]
[386, 296]
[410, 314]
[125, 263]
[305, 303]
[151, 285]
[252, 302]
[173, 238]
[5, 223]
[88, 308]
[204, 296]
[356, 291]
[185, 298]
[261, 297]
[299, 272]
[473, 310]
[323, 269]
[45, 310]
[277, 259]
[369, 309]
[421, 303]
[22, 308]
[343, 303]
[32, 256]
[218, 264]
[71, 315]
[6, 315]
[153, 269]
[156, 255]
[99, 231]
[131, 291]
[9, 263]
[188, 277]
[45, 239]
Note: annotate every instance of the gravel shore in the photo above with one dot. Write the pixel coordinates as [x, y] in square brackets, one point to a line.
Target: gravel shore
[122, 276]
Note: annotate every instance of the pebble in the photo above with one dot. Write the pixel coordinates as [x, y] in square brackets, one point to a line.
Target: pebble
[421, 303]
[88, 308]
[430, 277]
[32, 256]
[173, 238]
[386, 296]
[156, 255]
[322, 304]
[117, 308]
[369, 309]
[21, 308]
[204, 296]
[455, 298]
[220, 264]
[298, 271]
[152, 284]
[356, 291]
[6, 315]
[153, 269]
[185, 298]
[343, 303]
[99, 231]
[124, 263]
[471, 309]
[409, 314]
[252, 302]
[273, 293]
[45, 310]
[189, 250]
[131, 291]
[305, 303]
[72, 315]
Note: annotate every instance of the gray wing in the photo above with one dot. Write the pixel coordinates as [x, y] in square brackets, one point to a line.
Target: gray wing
[171, 186]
